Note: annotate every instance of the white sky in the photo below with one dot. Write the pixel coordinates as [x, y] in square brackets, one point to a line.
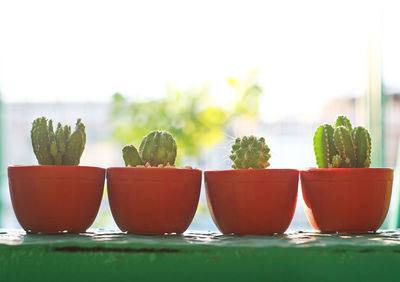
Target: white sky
[306, 51]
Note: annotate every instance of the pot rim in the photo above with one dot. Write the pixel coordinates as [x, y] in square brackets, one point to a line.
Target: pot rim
[154, 168]
[55, 172]
[347, 169]
[283, 170]
[53, 166]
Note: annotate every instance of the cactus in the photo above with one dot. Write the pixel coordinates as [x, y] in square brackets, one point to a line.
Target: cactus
[59, 147]
[41, 141]
[336, 162]
[362, 146]
[131, 156]
[342, 146]
[324, 147]
[158, 147]
[343, 121]
[250, 152]
[75, 145]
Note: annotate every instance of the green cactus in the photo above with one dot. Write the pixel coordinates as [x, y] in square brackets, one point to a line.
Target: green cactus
[75, 145]
[336, 162]
[250, 152]
[324, 147]
[131, 156]
[342, 146]
[59, 147]
[158, 147]
[41, 141]
[343, 121]
[362, 146]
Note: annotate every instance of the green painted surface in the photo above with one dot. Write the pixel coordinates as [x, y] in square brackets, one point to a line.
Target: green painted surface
[113, 256]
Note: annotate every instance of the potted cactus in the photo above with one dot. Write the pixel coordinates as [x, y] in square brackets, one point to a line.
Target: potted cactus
[344, 194]
[57, 195]
[150, 195]
[250, 199]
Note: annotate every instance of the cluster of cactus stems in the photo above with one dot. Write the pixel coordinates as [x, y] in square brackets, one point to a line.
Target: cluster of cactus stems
[250, 152]
[338, 146]
[158, 148]
[59, 147]
[341, 146]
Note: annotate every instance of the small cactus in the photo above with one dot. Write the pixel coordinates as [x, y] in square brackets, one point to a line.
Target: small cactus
[342, 145]
[131, 156]
[343, 121]
[250, 152]
[158, 147]
[59, 147]
[323, 140]
[362, 146]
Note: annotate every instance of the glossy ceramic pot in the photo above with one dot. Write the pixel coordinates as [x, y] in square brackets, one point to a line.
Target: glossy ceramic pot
[252, 201]
[347, 200]
[153, 200]
[56, 198]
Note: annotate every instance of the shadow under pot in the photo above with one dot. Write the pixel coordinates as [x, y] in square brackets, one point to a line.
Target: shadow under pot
[347, 200]
[252, 201]
[153, 201]
[56, 198]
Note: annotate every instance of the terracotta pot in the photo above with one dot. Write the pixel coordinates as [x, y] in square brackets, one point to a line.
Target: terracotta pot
[347, 200]
[56, 198]
[252, 201]
[153, 200]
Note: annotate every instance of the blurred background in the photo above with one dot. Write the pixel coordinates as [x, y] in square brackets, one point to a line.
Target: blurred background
[208, 71]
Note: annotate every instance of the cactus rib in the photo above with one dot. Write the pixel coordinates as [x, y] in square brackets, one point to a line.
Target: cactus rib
[344, 145]
[362, 146]
[324, 148]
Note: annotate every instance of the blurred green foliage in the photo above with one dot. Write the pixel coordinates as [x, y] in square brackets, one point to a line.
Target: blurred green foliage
[191, 116]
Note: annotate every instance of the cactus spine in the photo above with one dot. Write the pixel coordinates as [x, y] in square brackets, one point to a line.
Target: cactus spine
[342, 146]
[250, 152]
[59, 147]
[158, 148]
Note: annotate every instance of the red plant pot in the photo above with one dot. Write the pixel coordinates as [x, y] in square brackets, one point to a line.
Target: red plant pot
[252, 201]
[153, 200]
[347, 200]
[56, 198]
